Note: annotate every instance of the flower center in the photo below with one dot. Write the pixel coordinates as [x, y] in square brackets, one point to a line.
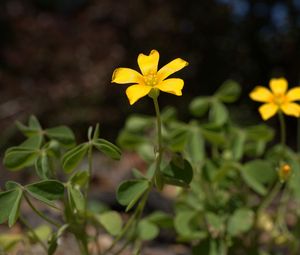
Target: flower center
[279, 99]
[151, 79]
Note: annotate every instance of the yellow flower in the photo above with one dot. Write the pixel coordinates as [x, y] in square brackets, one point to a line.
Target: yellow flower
[150, 78]
[278, 99]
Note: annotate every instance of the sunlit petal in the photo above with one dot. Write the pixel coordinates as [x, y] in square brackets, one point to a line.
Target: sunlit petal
[261, 94]
[291, 109]
[268, 110]
[148, 63]
[135, 92]
[173, 86]
[172, 67]
[278, 86]
[126, 75]
[293, 94]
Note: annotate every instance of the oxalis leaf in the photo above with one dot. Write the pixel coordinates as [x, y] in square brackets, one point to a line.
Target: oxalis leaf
[27, 131]
[76, 198]
[147, 230]
[80, 178]
[9, 185]
[111, 222]
[129, 140]
[46, 191]
[33, 128]
[10, 204]
[62, 134]
[218, 113]
[34, 122]
[130, 191]
[17, 158]
[177, 139]
[178, 172]
[42, 232]
[8, 241]
[137, 123]
[240, 222]
[107, 148]
[257, 173]
[42, 166]
[229, 91]
[185, 227]
[74, 156]
[213, 137]
[199, 106]
[161, 219]
[33, 142]
[194, 148]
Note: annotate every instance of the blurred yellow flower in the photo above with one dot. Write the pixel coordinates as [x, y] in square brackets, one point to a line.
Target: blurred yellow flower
[150, 78]
[277, 99]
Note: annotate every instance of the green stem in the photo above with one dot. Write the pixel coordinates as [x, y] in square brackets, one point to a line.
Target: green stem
[282, 129]
[90, 170]
[158, 155]
[44, 217]
[97, 243]
[122, 234]
[82, 242]
[223, 247]
[269, 198]
[280, 219]
[31, 230]
[138, 211]
[82, 246]
[140, 208]
[90, 161]
[298, 134]
[159, 135]
[122, 247]
[137, 248]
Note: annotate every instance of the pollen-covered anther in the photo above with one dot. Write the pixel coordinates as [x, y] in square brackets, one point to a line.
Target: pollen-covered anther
[151, 79]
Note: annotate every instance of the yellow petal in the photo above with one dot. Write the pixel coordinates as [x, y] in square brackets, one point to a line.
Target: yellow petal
[261, 94]
[172, 67]
[268, 110]
[291, 109]
[126, 75]
[173, 86]
[293, 94]
[148, 63]
[278, 86]
[135, 92]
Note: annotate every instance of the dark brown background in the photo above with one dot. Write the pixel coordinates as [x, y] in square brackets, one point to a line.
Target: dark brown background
[57, 56]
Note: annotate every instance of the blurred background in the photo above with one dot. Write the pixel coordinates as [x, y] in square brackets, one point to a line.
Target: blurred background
[57, 56]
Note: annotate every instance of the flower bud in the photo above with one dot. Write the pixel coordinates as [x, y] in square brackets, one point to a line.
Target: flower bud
[284, 172]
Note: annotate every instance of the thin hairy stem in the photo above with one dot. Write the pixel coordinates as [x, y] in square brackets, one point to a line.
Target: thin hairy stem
[282, 129]
[39, 213]
[135, 218]
[269, 198]
[31, 230]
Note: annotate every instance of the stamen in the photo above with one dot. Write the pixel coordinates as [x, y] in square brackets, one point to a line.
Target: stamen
[151, 79]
